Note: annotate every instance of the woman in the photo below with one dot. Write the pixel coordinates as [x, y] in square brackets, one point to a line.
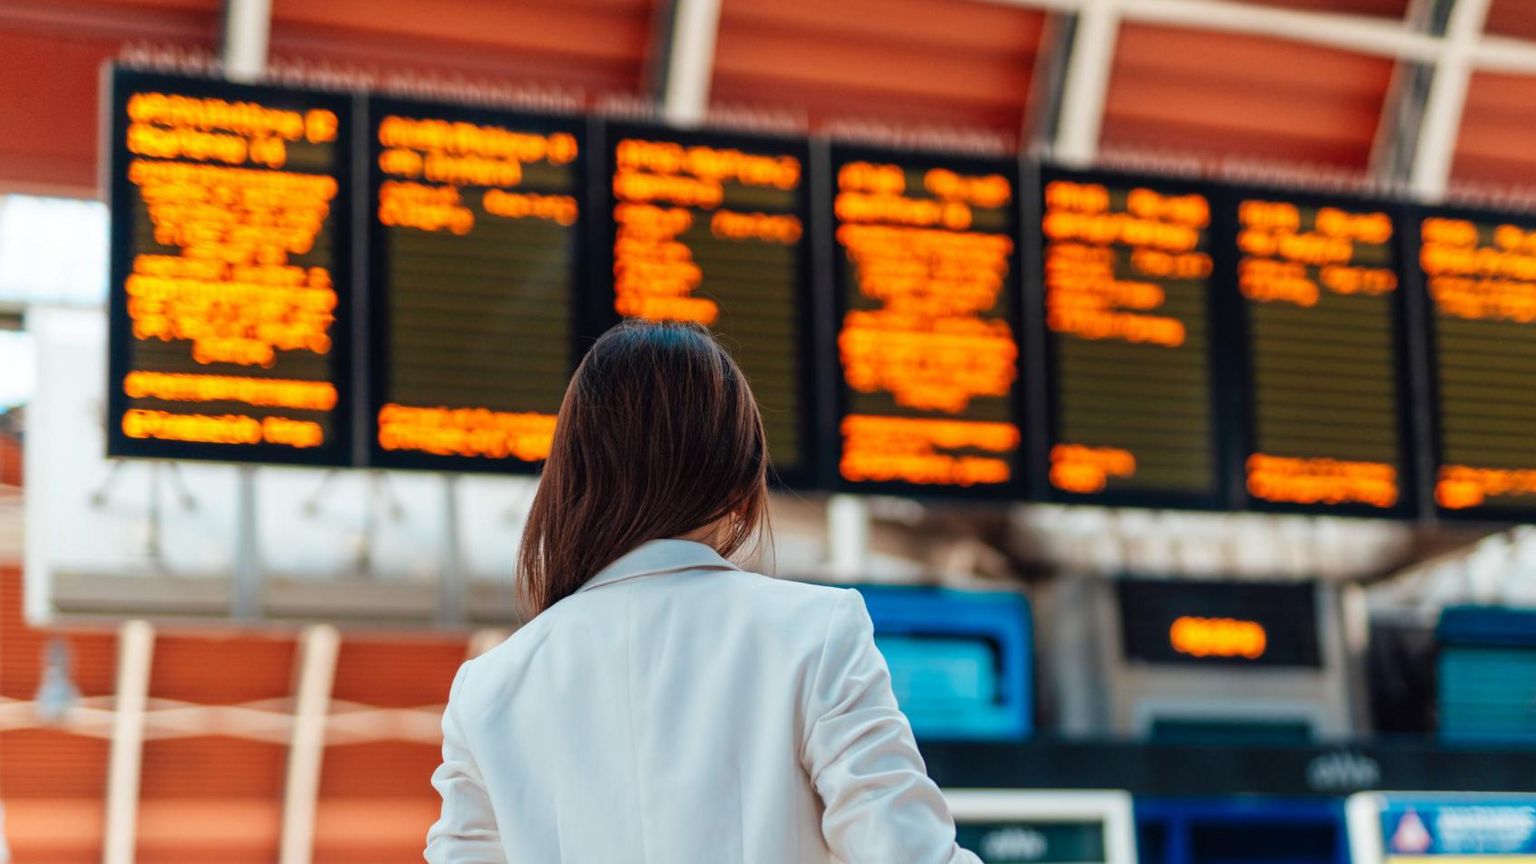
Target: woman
[662, 705]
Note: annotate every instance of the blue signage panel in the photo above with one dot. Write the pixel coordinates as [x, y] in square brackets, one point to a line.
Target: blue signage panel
[1420, 827]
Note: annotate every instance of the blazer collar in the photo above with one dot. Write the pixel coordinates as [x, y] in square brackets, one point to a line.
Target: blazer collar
[659, 556]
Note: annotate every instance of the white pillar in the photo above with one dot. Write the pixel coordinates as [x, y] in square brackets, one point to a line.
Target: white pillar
[306, 744]
[690, 61]
[135, 650]
[247, 27]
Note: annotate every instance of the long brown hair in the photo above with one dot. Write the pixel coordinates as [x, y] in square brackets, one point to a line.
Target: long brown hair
[657, 437]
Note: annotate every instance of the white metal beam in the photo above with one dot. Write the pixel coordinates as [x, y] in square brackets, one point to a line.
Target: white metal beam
[1358, 33]
[247, 28]
[690, 61]
[1447, 96]
[312, 704]
[1505, 54]
[135, 650]
[1087, 82]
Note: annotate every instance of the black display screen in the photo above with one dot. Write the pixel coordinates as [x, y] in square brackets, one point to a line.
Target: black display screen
[1226, 623]
[1130, 323]
[713, 228]
[1479, 278]
[230, 297]
[926, 298]
[1325, 384]
[475, 226]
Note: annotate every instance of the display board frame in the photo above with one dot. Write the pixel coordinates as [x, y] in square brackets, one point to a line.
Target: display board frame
[599, 315]
[1236, 323]
[1111, 808]
[834, 154]
[118, 83]
[375, 366]
[1221, 399]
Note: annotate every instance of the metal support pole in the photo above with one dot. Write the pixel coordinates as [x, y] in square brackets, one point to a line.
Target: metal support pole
[306, 745]
[135, 650]
[246, 588]
[451, 588]
[688, 61]
[847, 536]
[247, 28]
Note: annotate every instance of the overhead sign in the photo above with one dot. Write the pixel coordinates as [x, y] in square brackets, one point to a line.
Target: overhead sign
[475, 234]
[1325, 375]
[230, 277]
[1130, 338]
[713, 228]
[927, 320]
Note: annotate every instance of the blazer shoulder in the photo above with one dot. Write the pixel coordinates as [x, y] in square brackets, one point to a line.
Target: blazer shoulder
[801, 601]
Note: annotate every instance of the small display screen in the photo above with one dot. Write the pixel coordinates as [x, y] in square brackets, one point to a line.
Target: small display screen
[1127, 275]
[230, 279]
[475, 226]
[927, 324]
[1226, 623]
[1033, 841]
[711, 227]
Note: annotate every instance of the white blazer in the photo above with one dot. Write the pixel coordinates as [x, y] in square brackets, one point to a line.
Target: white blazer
[677, 710]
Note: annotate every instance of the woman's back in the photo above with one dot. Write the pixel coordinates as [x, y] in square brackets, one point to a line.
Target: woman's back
[661, 705]
[679, 710]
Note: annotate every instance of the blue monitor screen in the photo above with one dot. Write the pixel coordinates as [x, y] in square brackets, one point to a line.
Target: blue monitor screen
[960, 661]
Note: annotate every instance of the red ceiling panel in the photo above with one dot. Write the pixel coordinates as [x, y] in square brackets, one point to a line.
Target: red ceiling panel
[1494, 143]
[1216, 95]
[50, 64]
[594, 45]
[1512, 18]
[938, 62]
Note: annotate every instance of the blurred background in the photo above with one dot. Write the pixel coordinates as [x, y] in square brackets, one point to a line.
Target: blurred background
[208, 662]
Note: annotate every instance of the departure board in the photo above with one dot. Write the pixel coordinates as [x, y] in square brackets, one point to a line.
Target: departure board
[1479, 271]
[1325, 364]
[1131, 389]
[710, 227]
[475, 227]
[926, 280]
[230, 284]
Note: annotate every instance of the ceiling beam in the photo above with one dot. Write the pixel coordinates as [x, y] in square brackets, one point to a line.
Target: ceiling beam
[1438, 131]
[1087, 82]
